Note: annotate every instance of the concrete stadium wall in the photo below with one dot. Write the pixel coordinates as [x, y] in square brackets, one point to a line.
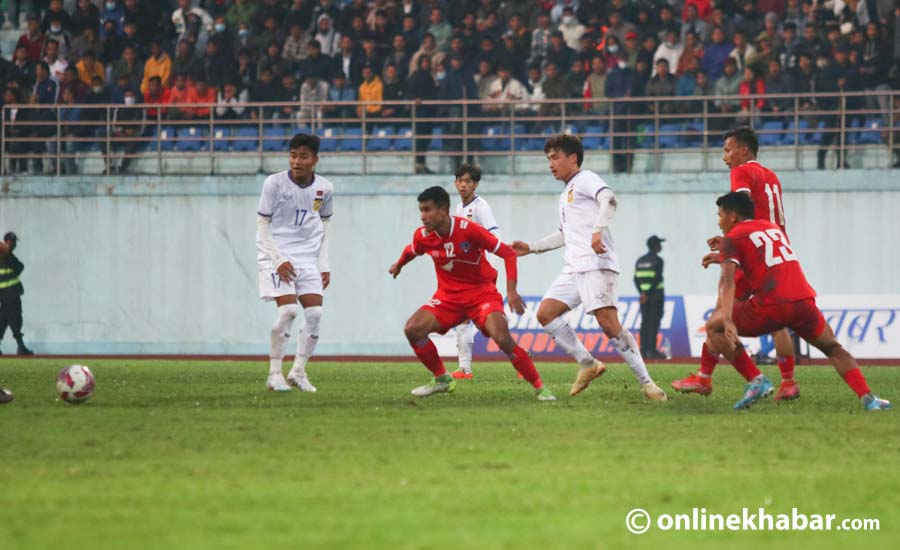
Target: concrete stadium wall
[145, 265]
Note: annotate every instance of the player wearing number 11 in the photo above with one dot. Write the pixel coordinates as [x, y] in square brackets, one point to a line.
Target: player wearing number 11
[292, 253]
[782, 298]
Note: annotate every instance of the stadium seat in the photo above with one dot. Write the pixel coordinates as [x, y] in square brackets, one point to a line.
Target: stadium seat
[329, 142]
[871, 133]
[403, 139]
[693, 134]
[669, 136]
[492, 143]
[274, 139]
[594, 139]
[166, 137]
[771, 133]
[189, 139]
[381, 139]
[220, 138]
[352, 140]
[249, 138]
[437, 140]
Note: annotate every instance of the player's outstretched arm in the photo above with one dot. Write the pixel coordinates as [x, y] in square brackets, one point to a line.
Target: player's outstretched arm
[550, 242]
[284, 268]
[726, 298]
[407, 256]
[509, 256]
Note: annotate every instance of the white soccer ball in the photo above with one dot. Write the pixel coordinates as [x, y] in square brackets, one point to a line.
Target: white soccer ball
[75, 384]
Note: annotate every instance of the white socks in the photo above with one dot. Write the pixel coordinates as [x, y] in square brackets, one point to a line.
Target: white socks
[281, 333]
[465, 341]
[306, 341]
[565, 337]
[627, 348]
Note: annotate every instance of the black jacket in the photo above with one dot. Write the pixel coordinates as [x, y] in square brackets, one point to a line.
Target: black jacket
[648, 278]
[10, 269]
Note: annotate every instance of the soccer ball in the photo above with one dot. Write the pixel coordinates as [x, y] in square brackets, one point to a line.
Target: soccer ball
[75, 384]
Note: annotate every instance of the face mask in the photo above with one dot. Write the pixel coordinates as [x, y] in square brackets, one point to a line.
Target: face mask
[568, 20]
[441, 75]
[97, 89]
[129, 100]
[244, 33]
[56, 30]
[613, 48]
[622, 64]
[110, 6]
[220, 27]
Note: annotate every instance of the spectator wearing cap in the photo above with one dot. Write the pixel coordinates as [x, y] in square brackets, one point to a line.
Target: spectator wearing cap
[648, 280]
[33, 39]
[694, 24]
[571, 29]
[726, 86]
[371, 89]
[670, 50]
[158, 64]
[540, 39]
[631, 48]
[715, 54]
[11, 291]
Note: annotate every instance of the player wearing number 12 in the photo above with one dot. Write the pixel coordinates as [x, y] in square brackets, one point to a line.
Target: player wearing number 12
[292, 253]
[782, 298]
[466, 290]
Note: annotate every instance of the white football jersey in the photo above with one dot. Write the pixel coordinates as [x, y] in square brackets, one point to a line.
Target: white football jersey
[578, 212]
[296, 213]
[479, 211]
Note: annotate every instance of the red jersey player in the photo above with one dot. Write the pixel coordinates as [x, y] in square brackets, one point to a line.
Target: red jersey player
[466, 290]
[762, 185]
[782, 298]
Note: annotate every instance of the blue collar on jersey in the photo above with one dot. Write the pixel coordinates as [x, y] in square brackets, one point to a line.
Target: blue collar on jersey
[474, 198]
[301, 186]
[573, 177]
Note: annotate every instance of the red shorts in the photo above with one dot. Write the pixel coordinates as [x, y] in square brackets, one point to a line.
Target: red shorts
[450, 311]
[803, 317]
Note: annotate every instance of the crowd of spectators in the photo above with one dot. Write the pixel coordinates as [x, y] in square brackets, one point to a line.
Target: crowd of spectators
[511, 54]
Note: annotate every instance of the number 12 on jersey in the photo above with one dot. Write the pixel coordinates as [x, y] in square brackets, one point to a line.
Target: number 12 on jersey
[768, 238]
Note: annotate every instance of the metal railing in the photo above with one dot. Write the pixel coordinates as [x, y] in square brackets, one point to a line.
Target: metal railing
[58, 137]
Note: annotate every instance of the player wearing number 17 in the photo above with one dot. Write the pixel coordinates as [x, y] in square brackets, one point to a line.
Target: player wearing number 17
[782, 298]
[466, 290]
[292, 253]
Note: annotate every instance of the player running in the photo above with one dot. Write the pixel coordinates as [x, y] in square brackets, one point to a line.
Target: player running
[591, 271]
[292, 252]
[466, 290]
[781, 298]
[764, 188]
[473, 207]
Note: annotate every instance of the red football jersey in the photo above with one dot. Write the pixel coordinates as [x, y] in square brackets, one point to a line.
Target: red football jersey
[769, 264]
[764, 188]
[459, 259]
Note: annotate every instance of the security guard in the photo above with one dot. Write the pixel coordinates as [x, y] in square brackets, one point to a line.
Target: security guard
[11, 291]
[648, 279]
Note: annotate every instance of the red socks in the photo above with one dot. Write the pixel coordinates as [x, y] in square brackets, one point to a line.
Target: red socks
[857, 382]
[525, 366]
[708, 361]
[786, 366]
[428, 355]
[745, 366]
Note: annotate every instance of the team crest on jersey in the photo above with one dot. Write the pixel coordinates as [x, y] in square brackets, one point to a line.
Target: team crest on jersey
[317, 204]
[571, 195]
[465, 246]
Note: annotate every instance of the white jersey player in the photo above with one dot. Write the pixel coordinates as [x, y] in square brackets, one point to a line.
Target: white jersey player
[475, 208]
[292, 252]
[591, 271]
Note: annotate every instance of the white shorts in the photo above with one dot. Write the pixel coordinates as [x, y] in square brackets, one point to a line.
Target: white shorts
[594, 289]
[307, 281]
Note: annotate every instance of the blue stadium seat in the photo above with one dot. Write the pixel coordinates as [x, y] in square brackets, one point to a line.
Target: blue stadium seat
[352, 140]
[249, 138]
[403, 139]
[381, 139]
[693, 134]
[771, 133]
[437, 140]
[220, 138]
[593, 138]
[189, 139]
[871, 133]
[669, 136]
[166, 137]
[274, 139]
[492, 143]
[329, 142]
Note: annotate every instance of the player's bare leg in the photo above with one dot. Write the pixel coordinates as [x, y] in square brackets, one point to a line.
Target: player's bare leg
[784, 351]
[281, 334]
[306, 341]
[550, 315]
[496, 327]
[623, 341]
[465, 341]
[846, 366]
[758, 385]
[417, 328]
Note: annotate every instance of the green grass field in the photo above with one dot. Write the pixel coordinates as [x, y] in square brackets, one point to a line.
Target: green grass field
[191, 454]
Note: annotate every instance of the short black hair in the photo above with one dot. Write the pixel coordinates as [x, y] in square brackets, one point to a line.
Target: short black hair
[437, 195]
[744, 135]
[738, 202]
[310, 141]
[470, 168]
[567, 143]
